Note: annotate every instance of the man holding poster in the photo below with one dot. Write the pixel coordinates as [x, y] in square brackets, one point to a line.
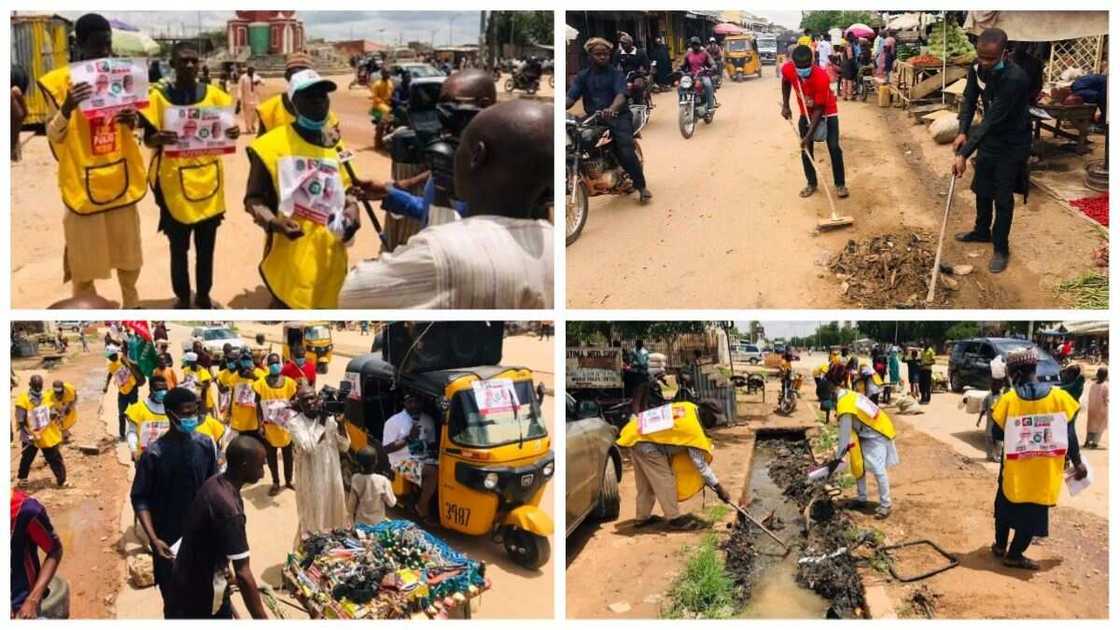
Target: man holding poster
[100, 168]
[190, 125]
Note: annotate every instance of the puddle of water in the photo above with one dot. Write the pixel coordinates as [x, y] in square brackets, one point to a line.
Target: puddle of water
[775, 593]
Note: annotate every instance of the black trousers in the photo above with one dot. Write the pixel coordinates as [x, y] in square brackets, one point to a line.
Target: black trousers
[1019, 544]
[54, 459]
[925, 384]
[273, 464]
[123, 401]
[162, 570]
[179, 239]
[832, 126]
[622, 130]
[995, 181]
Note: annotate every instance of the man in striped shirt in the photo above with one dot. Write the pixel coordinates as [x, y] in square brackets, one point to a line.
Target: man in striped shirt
[31, 532]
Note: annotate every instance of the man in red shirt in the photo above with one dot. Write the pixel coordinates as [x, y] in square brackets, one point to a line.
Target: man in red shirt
[695, 60]
[298, 368]
[817, 108]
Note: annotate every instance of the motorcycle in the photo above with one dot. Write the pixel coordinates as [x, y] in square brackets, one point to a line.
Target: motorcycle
[521, 82]
[361, 79]
[787, 401]
[592, 170]
[639, 99]
[692, 103]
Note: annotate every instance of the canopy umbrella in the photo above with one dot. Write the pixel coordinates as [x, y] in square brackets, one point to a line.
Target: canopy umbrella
[727, 28]
[129, 41]
[860, 30]
[571, 33]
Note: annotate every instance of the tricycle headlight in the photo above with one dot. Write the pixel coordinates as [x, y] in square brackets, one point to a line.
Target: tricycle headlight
[548, 469]
[686, 82]
[490, 481]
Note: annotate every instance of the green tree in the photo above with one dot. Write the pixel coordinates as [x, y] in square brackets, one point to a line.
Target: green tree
[822, 21]
[962, 330]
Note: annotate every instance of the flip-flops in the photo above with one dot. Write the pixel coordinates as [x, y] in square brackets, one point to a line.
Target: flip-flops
[686, 523]
[648, 521]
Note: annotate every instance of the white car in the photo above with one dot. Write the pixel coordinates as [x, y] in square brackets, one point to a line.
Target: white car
[748, 353]
[214, 338]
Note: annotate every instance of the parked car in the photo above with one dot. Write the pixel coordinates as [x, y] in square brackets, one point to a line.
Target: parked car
[214, 338]
[970, 361]
[594, 465]
[419, 70]
[749, 353]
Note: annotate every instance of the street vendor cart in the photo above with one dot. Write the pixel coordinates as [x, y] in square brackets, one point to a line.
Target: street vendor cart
[392, 570]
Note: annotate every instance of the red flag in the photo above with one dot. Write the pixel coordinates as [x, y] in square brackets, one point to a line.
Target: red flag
[140, 328]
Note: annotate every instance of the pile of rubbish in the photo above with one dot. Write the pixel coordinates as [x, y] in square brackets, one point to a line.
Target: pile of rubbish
[392, 570]
[888, 271]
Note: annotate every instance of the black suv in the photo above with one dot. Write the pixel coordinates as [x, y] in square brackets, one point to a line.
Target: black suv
[970, 361]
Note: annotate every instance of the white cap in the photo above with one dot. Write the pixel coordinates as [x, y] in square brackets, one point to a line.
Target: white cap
[305, 79]
[112, 349]
[999, 368]
[190, 356]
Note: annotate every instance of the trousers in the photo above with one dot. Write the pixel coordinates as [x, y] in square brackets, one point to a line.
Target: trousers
[622, 129]
[54, 459]
[835, 154]
[655, 480]
[179, 240]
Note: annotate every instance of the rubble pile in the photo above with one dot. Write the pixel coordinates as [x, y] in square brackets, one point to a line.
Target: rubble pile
[889, 271]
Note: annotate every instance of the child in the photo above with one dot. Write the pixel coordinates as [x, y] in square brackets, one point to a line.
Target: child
[370, 493]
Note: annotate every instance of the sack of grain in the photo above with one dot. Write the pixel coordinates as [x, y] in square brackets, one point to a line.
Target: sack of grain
[944, 129]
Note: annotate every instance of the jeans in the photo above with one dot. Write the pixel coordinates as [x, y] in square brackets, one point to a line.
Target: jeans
[179, 240]
[832, 124]
[53, 457]
[709, 92]
[622, 130]
[881, 480]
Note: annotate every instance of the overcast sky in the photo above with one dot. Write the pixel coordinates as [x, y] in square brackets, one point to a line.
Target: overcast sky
[788, 19]
[784, 330]
[330, 25]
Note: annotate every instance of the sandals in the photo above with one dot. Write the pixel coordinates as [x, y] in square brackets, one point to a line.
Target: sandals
[998, 551]
[686, 523]
[646, 522]
[882, 512]
[808, 191]
[1022, 562]
[842, 192]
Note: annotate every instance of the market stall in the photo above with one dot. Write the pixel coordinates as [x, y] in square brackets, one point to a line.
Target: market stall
[392, 570]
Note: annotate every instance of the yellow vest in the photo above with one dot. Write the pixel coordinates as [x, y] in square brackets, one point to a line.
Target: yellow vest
[193, 187]
[45, 431]
[195, 379]
[150, 426]
[869, 414]
[100, 167]
[1033, 478]
[243, 415]
[276, 435]
[211, 428]
[125, 385]
[273, 114]
[69, 395]
[686, 431]
[308, 272]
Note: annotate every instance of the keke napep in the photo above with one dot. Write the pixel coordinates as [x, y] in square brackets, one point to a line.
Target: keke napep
[494, 450]
[741, 57]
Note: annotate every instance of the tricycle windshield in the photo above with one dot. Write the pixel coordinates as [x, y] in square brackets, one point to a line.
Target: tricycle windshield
[494, 413]
[318, 333]
[737, 45]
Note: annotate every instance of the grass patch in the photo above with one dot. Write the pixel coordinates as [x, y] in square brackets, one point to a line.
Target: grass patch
[716, 512]
[826, 439]
[704, 589]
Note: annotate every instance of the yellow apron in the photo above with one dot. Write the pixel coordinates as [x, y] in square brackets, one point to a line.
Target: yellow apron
[273, 114]
[243, 401]
[308, 272]
[273, 401]
[211, 428]
[150, 425]
[123, 377]
[869, 414]
[686, 431]
[69, 395]
[100, 167]
[1034, 444]
[193, 187]
[45, 432]
[194, 379]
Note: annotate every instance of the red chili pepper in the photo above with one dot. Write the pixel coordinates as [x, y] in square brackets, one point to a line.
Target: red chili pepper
[1096, 208]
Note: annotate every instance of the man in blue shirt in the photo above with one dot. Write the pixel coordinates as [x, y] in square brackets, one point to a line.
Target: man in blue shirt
[602, 88]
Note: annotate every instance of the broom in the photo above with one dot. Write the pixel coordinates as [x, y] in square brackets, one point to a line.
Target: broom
[835, 220]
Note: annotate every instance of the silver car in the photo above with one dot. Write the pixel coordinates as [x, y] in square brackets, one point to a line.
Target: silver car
[594, 465]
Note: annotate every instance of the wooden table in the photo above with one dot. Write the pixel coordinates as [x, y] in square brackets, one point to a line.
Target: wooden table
[914, 83]
[1080, 117]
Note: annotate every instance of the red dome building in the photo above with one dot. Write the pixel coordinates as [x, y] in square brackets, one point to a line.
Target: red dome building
[264, 33]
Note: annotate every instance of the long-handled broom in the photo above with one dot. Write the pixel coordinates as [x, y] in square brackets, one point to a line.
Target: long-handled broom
[835, 220]
[941, 240]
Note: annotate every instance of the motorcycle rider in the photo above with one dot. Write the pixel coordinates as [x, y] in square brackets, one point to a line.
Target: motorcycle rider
[602, 87]
[717, 53]
[695, 60]
[629, 58]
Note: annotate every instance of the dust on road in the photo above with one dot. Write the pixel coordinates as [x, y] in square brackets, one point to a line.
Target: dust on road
[37, 212]
[727, 229]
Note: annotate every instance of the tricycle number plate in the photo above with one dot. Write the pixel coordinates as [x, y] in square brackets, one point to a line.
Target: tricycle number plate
[458, 515]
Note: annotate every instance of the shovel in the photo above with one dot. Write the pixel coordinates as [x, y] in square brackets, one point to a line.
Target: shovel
[941, 240]
[742, 511]
[835, 220]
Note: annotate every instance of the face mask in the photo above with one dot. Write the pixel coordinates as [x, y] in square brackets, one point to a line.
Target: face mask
[274, 369]
[300, 361]
[59, 392]
[231, 365]
[998, 66]
[188, 424]
[36, 391]
[158, 395]
[246, 364]
[112, 357]
[805, 72]
[310, 125]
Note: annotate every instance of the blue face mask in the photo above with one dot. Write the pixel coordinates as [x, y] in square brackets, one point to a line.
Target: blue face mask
[998, 66]
[274, 369]
[188, 424]
[804, 72]
[310, 125]
[300, 361]
[247, 363]
[158, 395]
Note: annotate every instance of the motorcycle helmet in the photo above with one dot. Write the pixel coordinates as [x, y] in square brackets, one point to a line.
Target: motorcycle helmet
[694, 41]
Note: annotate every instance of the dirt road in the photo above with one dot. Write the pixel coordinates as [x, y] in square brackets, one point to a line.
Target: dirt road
[726, 228]
[37, 242]
[98, 506]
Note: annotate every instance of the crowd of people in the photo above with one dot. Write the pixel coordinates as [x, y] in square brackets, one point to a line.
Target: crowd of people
[198, 435]
[484, 237]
